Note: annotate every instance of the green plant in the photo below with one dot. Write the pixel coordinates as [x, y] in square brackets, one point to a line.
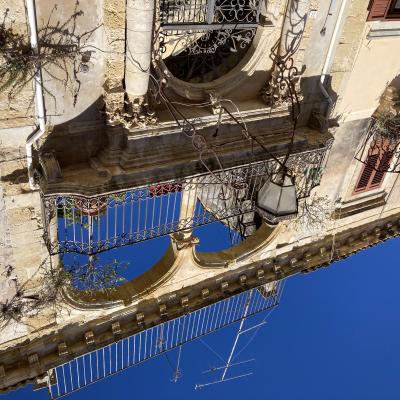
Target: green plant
[52, 281]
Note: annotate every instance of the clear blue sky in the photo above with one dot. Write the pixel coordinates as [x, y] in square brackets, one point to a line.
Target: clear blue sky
[335, 335]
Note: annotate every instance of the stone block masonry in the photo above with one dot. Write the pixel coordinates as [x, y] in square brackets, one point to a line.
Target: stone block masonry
[19, 111]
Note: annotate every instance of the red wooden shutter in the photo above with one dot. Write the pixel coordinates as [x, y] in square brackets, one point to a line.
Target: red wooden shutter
[383, 166]
[366, 174]
[378, 9]
[372, 175]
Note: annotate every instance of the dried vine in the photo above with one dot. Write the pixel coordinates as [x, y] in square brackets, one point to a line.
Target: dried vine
[62, 54]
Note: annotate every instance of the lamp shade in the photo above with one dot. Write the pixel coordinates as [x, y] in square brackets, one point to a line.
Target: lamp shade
[277, 200]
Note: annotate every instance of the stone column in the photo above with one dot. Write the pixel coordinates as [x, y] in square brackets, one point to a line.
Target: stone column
[139, 37]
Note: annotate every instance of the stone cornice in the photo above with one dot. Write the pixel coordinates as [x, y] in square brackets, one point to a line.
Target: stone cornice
[120, 169]
[306, 258]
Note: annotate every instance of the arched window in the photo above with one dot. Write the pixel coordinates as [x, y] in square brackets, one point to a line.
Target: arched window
[202, 40]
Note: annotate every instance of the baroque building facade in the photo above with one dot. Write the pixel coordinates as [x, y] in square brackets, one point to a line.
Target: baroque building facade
[167, 117]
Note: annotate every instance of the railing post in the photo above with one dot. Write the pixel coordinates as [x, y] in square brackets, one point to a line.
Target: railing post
[188, 207]
[210, 11]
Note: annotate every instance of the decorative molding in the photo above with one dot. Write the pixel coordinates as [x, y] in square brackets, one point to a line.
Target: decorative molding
[384, 30]
[137, 114]
[308, 258]
[359, 205]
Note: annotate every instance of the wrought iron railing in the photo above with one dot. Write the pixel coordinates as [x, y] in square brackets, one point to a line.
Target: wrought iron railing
[380, 148]
[130, 351]
[90, 225]
[197, 37]
[209, 14]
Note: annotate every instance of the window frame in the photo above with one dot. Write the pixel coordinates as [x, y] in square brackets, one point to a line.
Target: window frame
[390, 12]
[384, 156]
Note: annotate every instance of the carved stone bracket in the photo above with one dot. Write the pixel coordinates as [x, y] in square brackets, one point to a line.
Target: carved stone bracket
[318, 121]
[137, 114]
[184, 241]
[390, 101]
[283, 86]
[50, 167]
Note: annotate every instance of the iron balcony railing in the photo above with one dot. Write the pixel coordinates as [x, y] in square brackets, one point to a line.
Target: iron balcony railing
[107, 361]
[90, 225]
[209, 14]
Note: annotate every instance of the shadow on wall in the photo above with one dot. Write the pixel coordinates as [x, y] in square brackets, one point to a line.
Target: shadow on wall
[76, 142]
[16, 177]
[63, 54]
[79, 139]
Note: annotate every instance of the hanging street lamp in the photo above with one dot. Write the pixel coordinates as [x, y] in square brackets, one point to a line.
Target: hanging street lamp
[277, 199]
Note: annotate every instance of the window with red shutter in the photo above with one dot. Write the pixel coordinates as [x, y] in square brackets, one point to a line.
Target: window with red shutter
[383, 10]
[372, 174]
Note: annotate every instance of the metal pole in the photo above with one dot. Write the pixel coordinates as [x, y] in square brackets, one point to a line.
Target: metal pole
[237, 337]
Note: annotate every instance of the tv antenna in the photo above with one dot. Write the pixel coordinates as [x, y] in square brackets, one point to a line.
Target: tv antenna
[229, 363]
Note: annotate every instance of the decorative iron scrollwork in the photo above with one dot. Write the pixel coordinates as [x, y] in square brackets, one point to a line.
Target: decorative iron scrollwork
[205, 42]
[201, 40]
[281, 86]
[204, 55]
[192, 12]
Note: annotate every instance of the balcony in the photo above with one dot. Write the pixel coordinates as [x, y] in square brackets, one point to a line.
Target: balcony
[91, 225]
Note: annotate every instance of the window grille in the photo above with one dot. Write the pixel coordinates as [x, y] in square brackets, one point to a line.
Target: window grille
[200, 38]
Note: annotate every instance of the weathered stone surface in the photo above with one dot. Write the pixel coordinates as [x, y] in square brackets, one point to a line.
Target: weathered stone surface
[18, 111]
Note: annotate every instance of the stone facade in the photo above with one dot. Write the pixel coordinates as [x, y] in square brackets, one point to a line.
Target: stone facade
[87, 157]
[19, 111]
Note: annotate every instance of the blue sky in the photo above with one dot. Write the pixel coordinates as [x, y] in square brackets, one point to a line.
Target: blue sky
[335, 335]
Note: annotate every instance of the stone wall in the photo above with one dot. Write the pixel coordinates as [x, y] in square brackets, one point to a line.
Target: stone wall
[349, 44]
[22, 249]
[20, 110]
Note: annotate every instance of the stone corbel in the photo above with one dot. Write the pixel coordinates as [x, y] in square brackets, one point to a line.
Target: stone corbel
[184, 241]
[318, 121]
[277, 90]
[50, 167]
[390, 101]
[137, 114]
